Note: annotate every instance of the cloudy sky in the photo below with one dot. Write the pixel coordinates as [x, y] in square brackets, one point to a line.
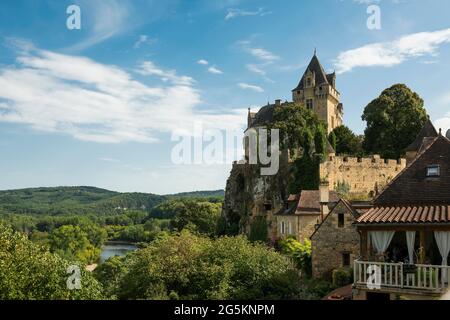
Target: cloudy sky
[100, 106]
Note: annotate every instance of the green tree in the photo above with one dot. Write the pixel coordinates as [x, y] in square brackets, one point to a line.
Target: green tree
[320, 142]
[299, 252]
[346, 142]
[199, 216]
[110, 273]
[394, 119]
[72, 242]
[30, 272]
[186, 266]
[293, 120]
[333, 140]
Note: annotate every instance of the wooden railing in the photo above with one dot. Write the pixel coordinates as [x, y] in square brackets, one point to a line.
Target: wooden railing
[399, 275]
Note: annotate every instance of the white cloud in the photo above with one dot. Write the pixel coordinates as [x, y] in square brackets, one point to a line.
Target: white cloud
[94, 102]
[388, 54]
[256, 69]
[234, 13]
[111, 160]
[443, 123]
[263, 54]
[203, 62]
[108, 17]
[247, 86]
[148, 68]
[143, 39]
[214, 70]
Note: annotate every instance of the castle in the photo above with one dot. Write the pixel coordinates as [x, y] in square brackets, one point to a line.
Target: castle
[251, 197]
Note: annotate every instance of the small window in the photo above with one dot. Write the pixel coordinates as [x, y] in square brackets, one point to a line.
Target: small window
[309, 104]
[341, 220]
[283, 227]
[308, 82]
[433, 171]
[268, 206]
[346, 259]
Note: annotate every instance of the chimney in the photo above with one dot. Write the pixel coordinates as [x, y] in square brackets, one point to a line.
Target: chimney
[324, 191]
[278, 102]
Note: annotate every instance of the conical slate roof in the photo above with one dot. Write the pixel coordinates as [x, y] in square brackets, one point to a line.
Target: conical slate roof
[316, 67]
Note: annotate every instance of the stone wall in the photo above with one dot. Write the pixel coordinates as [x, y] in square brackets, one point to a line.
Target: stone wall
[330, 242]
[366, 176]
[303, 226]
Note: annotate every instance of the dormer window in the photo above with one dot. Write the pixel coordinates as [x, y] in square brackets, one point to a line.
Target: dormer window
[433, 171]
[308, 82]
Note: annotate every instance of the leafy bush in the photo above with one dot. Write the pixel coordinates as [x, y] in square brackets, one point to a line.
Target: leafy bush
[342, 277]
[299, 252]
[30, 272]
[258, 230]
[187, 266]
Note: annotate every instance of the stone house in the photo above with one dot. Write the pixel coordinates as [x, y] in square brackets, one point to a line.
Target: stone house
[304, 212]
[335, 242]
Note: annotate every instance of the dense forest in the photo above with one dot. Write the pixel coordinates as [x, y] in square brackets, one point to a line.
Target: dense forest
[182, 248]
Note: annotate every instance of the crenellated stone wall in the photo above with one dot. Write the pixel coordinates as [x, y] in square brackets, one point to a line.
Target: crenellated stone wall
[367, 176]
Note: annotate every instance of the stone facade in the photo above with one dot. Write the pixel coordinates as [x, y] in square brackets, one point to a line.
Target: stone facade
[317, 91]
[366, 176]
[335, 245]
[299, 226]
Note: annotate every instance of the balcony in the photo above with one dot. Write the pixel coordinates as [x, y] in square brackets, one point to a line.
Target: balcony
[400, 278]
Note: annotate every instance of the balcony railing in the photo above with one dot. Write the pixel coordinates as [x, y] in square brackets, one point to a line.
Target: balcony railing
[401, 276]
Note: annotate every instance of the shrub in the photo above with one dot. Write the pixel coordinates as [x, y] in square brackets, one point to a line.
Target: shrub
[342, 277]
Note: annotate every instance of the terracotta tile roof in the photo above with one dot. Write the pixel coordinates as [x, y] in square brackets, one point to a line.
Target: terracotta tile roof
[310, 201]
[407, 215]
[293, 197]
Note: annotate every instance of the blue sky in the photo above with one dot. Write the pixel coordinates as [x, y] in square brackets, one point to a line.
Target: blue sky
[98, 106]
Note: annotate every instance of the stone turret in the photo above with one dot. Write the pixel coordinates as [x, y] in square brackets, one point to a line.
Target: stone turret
[317, 91]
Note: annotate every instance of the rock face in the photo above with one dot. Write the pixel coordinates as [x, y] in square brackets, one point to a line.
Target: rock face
[249, 196]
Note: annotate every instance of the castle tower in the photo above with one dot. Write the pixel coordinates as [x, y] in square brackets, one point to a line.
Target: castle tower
[317, 91]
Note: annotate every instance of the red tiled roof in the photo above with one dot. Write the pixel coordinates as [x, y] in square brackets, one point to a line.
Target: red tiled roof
[293, 197]
[407, 215]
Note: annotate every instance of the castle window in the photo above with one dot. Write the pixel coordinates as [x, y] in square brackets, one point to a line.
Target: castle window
[434, 171]
[308, 82]
[268, 206]
[310, 104]
[283, 227]
[346, 259]
[341, 220]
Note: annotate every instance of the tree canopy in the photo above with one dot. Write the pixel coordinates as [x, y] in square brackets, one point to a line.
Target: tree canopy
[30, 272]
[186, 266]
[346, 142]
[394, 119]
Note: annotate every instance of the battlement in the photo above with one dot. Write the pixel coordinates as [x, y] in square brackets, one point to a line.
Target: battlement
[361, 175]
[371, 161]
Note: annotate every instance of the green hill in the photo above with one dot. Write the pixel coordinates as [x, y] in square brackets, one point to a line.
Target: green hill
[85, 200]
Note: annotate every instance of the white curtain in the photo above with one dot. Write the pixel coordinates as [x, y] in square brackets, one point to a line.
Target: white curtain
[381, 240]
[411, 240]
[443, 243]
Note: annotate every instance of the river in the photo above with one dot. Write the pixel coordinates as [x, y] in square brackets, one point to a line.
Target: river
[111, 249]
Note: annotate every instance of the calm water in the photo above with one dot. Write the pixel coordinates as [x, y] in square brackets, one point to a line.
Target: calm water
[111, 249]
